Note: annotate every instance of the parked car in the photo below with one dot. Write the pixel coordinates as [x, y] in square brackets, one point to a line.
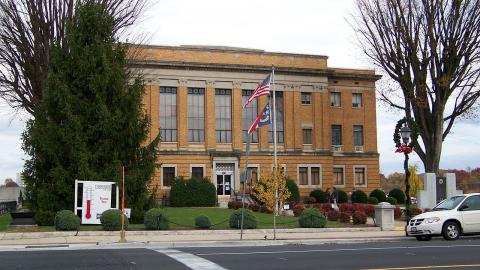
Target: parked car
[451, 218]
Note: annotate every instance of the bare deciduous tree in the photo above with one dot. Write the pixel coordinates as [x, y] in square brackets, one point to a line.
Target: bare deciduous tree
[28, 29]
[431, 49]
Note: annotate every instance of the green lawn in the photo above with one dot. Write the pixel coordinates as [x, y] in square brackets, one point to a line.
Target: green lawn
[5, 221]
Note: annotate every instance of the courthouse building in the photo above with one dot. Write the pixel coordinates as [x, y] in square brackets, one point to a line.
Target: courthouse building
[326, 118]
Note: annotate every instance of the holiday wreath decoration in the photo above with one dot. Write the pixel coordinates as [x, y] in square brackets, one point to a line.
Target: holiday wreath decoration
[404, 148]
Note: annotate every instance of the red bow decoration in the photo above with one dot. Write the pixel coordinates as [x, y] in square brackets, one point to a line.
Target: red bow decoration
[404, 149]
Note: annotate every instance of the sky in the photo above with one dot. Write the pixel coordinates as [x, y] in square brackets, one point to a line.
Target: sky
[304, 26]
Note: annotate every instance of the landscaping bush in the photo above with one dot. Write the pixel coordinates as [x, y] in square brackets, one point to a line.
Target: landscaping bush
[368, 209]
[359, 197]
[249, 219]
[254, 207]
[111, 220]
[294, 192]
[372, 200]
[359, 218]
[156, 219]
[310, 200]
[397, 213]
[333, 215]
[266, 209]
[414, 211]
[66, 220]
[397, 194]
[342, 196]
[379, 194]
[345, 217]
[319, 195]
[346, 208]
[391, 200]
[312, 218]
[192, 193]
[203, 222]
[298, 209]
[44, 218]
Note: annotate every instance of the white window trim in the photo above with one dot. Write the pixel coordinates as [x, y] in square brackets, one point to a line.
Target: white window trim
[361, 100]
[197, 165]
[236, 173]
[366, 178]
[161, 174]
[332, 105]
[344, 176]
[309, 174]
[283, 166]
[257, 166]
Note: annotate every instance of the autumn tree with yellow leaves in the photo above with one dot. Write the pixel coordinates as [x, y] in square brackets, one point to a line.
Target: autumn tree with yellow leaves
[415, 181]
[264, 189]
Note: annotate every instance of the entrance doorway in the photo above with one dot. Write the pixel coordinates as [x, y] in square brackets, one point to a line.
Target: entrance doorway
[224, 178]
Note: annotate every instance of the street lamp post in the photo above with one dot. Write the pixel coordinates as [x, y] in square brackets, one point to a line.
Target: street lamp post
[406, 132]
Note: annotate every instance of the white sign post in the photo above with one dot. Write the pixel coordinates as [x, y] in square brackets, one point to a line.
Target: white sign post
[96, 197]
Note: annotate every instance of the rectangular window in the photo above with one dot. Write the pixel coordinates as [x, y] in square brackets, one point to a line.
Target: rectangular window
[197, 172]
[223, 112]
[168, 114]
[307, 136]
[360, 177]
[335, 99]
[168, 176]
[306, 98]
[196, 114]
[303, 175]
[336, 135]
[356, 100]
[279, 116]
[338, 179]
[253, 174]
[249, 114]
[315, 175]
[358, 135]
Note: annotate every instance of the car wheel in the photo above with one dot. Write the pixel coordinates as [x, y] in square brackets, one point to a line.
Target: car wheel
[451, 231]
[424, 238]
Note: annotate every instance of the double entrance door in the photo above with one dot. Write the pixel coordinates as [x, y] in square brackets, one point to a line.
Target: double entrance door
[224, 174]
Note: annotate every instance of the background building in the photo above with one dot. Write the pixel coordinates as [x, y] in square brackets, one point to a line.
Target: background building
[326, 117]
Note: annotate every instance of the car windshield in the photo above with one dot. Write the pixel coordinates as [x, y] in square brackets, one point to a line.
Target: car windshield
[449, 204]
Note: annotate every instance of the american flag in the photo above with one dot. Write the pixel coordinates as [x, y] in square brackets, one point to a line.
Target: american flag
[263, 89]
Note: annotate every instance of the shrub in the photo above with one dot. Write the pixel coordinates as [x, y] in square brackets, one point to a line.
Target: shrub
[230, 204]
[397, 194]
[311, 200]
[359, 217]
[346, 208]
[254, 207]
[298, 209]
[111, 220]
[266, 209]
[203, 222]
[372, 200]
[44, 218]
[249, 219]
[342, 196]
[379, 194]
[345, 217]
[294, 192]
[66, 220]
[156, 219]
[319, 195]
[368, 209]
[312, 218]
[397, 213]
[333, 215]
[415, 211]
[193, 192]
[359, 197]
[391, 200]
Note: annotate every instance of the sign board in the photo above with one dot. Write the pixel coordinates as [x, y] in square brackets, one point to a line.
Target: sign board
[92, 198]
[127, 211]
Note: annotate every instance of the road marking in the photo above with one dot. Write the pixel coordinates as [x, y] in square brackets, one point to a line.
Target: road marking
[427, 267]
[190, 260]
[329, 250]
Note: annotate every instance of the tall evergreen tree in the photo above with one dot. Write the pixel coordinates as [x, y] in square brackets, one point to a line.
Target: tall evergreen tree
[90, 121]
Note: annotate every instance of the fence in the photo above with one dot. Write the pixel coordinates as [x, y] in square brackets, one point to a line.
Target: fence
[7, 207]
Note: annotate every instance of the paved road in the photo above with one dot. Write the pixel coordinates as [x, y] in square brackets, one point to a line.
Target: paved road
[407, 254]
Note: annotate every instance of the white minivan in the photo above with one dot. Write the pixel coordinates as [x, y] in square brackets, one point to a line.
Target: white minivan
[450, 218]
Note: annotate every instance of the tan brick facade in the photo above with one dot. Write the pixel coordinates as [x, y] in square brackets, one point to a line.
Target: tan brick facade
[238, 69]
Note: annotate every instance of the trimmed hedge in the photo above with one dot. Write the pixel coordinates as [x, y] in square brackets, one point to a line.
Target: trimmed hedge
[397, 213]
[298, 209]
[66, 220]
[372, 200]
[333, 215]
[359, 217]
[203, 222]
[359, 197]
[391, 200]
[342, 196]
[249, 219]
[44, 218]
[156, 219]
[111, 220]
[319, 195]
[312, 218]
[379, 194]
[192, 193]
[397, 194]
[294, 192]
[345, 217]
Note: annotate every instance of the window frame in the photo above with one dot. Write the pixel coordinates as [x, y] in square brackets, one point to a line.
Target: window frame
[221, 129]
[196, 117]
[166, 91]
[306, 101]
[304, 134]
[197, 166]
[280, 132]
[362, 135]
[248, 118]
[309, 175]
[341, 137]
[360, 104]
[364, 167]
[333, 100]
[161, 174]
[343, 175]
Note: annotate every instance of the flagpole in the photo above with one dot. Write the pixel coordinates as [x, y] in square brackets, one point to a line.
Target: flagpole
[245, 179]
[275, 212]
